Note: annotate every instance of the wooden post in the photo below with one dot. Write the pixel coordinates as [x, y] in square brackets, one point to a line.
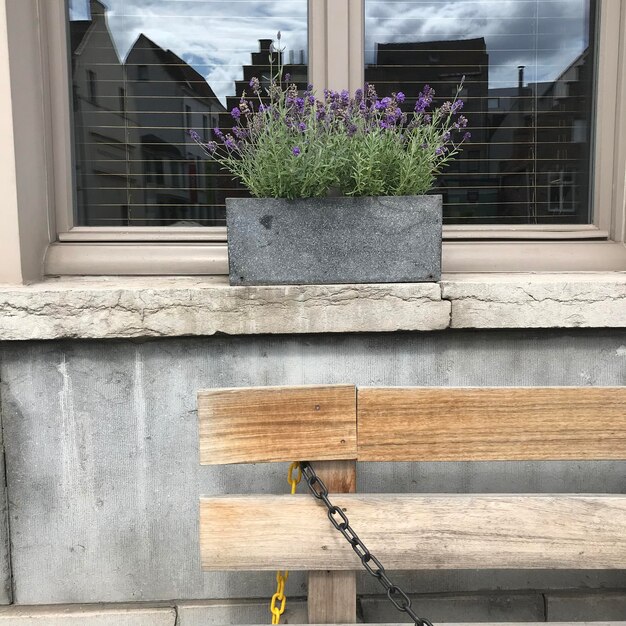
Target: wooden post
[332, 594]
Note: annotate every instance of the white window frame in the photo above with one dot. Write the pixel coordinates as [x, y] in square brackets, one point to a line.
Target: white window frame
[38, 109]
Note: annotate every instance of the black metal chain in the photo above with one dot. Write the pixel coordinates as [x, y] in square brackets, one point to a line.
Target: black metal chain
[340, 521]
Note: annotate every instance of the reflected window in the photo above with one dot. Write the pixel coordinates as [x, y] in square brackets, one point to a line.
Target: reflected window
[529, 95]
[154, 70]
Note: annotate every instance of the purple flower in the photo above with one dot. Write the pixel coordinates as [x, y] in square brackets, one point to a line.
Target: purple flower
[425, 99]
[218, 133]
[255, 84]
[230, 143]
[461, 122]
[457, 106]
[236, 113]
[400, 97]
[287, 77]
[210, 147]
[301, 127]
[296, 151]
[194, 135]
[446, 136]
[467, 136]
[439, 151]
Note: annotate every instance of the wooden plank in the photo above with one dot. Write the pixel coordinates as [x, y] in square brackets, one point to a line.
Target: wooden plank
[416, 532]
[489, 424]
[259, 424]
[332, 594]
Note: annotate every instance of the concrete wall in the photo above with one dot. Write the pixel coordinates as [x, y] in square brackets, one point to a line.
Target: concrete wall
[102, 464]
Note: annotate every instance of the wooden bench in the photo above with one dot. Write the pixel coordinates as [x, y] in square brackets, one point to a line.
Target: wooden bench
[335, 426]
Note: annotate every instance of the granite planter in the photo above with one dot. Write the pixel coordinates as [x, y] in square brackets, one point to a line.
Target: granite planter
[273, 241]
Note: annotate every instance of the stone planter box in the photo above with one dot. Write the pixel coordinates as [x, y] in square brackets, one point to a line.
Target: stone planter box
[395, 239]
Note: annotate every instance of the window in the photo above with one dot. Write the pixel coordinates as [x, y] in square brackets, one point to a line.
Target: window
[174, 79]
[528, 71]
[102, 161]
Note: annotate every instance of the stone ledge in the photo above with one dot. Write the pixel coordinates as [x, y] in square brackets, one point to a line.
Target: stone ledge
[116, 307]
[157, 307]
[88, 615]
[590, 300]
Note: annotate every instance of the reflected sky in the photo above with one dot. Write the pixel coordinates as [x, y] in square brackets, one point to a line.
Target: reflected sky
[543, 35]
[216, 37]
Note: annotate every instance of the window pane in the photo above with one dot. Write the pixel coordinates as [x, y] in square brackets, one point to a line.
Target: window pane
[143, 74]
[528, 92]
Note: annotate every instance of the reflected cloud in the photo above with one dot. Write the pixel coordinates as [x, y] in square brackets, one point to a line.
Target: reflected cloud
[214, 36]
[546, 37]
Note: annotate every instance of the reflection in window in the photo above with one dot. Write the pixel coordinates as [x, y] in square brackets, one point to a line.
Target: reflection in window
[142, 76]
[529, 77]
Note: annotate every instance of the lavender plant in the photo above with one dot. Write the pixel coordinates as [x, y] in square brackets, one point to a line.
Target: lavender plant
[287, 144]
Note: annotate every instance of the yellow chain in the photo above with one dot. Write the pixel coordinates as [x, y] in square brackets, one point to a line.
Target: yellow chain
[281, 576]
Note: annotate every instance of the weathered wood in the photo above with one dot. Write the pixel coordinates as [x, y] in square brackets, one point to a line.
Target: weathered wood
[250, 425]
[416, 532]
[487, 424]
[332, 594]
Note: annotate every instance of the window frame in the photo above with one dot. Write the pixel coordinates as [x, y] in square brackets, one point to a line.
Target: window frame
[336, 31]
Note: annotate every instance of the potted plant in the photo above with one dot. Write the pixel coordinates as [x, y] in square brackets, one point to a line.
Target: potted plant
[338, 185]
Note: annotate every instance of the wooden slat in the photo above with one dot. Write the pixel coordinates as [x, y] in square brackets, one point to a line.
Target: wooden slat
[416, 532]
[251, 425]
[332, 594]
[488, 424]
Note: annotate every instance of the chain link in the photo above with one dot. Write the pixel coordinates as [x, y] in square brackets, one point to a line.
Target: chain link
[373, 566]
[281, 576]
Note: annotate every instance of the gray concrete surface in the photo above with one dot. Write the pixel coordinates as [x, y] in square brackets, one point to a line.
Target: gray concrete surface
[6, 591]
[502, 607]
[578, 606]
[103, 475]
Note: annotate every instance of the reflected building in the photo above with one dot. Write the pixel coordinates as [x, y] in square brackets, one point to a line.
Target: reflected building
[168, 98]
[530, 154]
[407, 67]
[135, 163]
[102, 148]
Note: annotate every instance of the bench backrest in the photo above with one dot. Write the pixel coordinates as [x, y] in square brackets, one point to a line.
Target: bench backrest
[338, 425]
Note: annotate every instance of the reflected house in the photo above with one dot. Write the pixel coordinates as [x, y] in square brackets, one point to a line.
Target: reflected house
[135, 161]
[101, 144]
[407, 67]
[168, 99]
[552, 139]
[260, 68]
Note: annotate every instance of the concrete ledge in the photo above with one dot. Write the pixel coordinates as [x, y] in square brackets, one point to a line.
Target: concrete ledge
[116, 307]
[88, 615]
[590, 300]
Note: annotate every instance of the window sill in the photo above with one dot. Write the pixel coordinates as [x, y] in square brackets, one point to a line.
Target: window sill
[116, 307]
